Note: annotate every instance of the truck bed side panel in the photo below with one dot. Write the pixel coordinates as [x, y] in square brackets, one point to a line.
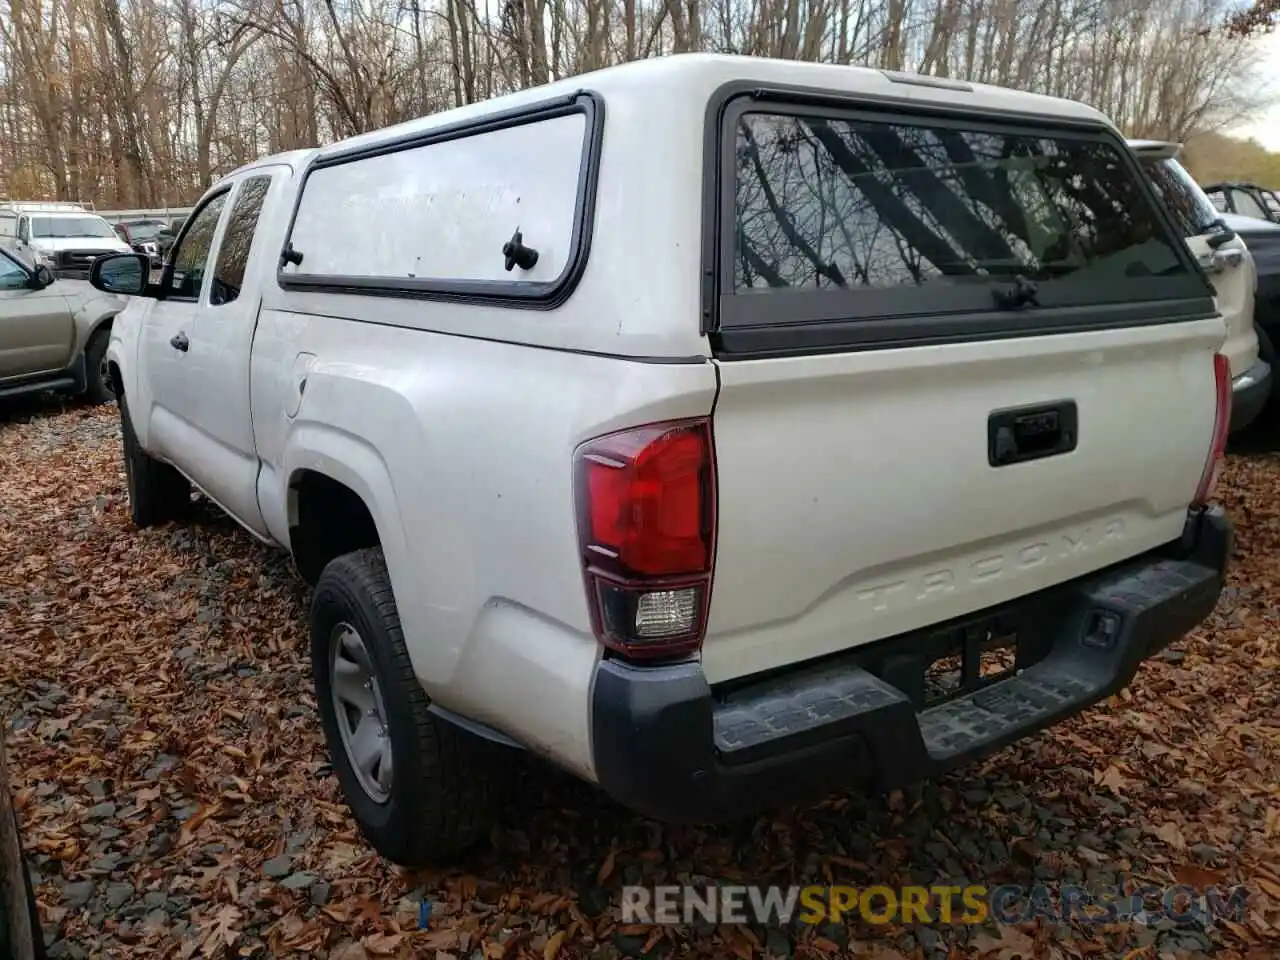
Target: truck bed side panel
[465, 448]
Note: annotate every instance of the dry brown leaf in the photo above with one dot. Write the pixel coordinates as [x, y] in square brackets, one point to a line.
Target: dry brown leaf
[606, 868]
[382, 944]
[1170, 834]
[446, 939]
[1238, 930]
[192, 823]
[1271, 888]
[552, 949]
[1194, 875]
[1113, 780]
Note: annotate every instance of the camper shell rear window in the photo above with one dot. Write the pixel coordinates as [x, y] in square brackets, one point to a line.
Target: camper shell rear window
[453, 212]
[871, 227]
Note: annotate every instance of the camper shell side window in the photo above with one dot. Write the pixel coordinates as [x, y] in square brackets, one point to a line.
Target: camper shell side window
[497, 209]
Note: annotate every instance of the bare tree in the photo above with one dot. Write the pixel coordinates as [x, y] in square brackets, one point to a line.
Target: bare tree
[147, 101]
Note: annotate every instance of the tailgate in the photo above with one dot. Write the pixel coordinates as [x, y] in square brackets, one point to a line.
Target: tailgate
[956, 366]
[857, 499]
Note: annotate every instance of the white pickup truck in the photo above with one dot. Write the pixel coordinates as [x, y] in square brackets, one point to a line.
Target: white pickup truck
[724, 430]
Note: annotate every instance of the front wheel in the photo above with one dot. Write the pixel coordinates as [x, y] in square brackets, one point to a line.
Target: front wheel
[98, 385]
[420, 789]
[157, 491]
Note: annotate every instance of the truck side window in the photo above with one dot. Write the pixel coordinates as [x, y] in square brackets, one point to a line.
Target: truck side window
[193, 253]
[1247, 205]
[24, 229]
[12, 276]
[233, 254]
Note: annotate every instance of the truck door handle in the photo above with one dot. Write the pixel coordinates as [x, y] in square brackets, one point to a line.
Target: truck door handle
[1029, 433]
[180, 342]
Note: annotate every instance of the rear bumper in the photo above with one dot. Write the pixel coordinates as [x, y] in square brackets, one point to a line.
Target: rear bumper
[667, 746]
[1249, 394]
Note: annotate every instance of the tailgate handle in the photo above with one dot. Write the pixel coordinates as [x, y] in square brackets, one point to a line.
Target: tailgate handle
[1019, 434]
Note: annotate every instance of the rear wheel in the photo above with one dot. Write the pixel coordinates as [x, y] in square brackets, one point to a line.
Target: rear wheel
[421, 789]
[158, 493]
[1266, 350]
[98, 387]
[1265, 422]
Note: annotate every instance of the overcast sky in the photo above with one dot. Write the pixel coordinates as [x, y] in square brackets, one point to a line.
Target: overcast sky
[1266, 127]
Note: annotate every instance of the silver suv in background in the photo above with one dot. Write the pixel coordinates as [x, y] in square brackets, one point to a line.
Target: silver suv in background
[1226, 259]
[53, 332]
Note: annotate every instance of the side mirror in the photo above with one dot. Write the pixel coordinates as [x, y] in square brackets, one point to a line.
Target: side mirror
[126, 273]
[42, 277]
[1223, 234]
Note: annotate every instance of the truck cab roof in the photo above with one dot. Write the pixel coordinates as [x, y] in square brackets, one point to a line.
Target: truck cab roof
[291, 158]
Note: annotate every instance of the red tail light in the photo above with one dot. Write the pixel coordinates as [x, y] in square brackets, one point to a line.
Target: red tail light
[1221, 427]
[646, 526]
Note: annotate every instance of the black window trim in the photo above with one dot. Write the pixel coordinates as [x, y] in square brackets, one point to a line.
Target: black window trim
[268, 175]
[537, 295]
[739, 324]
[171, 261]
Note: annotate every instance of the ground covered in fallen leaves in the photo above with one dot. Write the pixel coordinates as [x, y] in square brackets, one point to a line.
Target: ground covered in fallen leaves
[177, 799]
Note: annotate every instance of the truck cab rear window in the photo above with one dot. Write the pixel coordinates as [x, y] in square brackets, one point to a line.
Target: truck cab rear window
[889, 218]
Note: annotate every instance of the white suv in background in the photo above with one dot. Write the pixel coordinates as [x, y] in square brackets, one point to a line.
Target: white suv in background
[66, 241]
[1226, 259]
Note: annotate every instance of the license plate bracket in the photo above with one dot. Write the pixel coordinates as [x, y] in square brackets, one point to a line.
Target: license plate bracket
[969, 658]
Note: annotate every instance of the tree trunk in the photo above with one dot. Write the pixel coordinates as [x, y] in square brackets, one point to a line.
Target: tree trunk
[19, 924]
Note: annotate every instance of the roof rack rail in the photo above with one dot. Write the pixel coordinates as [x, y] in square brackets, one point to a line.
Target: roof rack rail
[45, 206]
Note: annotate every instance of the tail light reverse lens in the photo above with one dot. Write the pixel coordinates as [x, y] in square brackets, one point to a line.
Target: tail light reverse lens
[1221, 427]
[646, 527]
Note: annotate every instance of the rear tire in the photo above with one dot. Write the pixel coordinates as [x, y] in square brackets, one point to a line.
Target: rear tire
[1266, 350]
[158, 493]
[97, 377]
[1266, 420]
[427, 791]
